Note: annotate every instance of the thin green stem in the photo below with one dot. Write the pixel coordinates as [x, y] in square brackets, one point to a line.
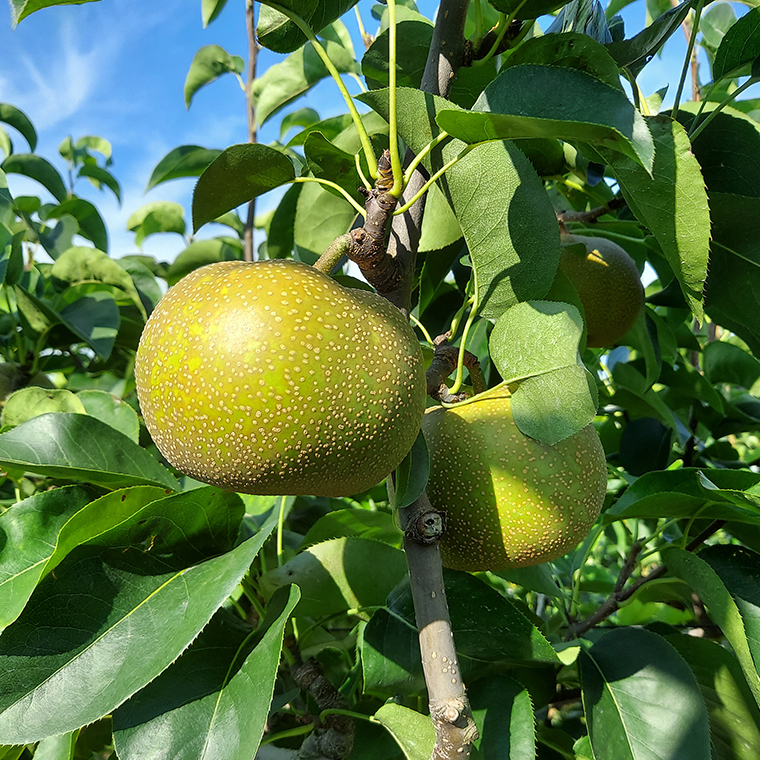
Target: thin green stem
[328, 183]
[427, 185]
[360, 172]
[574, 602]
[422, 154]
[335, 74]
[479, 23]
[422, 328]
[687, 60]
[250, 593]
[696, 130]
[280, 531]
[396, 167]
[349, 713]
[462, 344]
[300, 731]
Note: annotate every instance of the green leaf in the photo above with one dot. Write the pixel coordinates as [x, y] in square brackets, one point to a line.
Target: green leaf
[239, 174]
[509, 224]
[198, 254]
[327, 161]
[128, 630]
[157, 216]
[39, 169]
[320, 217]
[56, 240]
[93, 317]
[79, 265]
[413, 731]
[333, 575]
[487, 628]
[112, 410]
[411, 475]
[20, 9]
[79, 447]
[30, 402]
[280, 233]
[714, 24]
[100, 176]
[636, 52]
[210, 9]
[412, 44]
[20, 121]
[727, 363]
[734, 716]
[641, 700]
[226, 677]
[91, 224]
[6, 146]
[684, 493]
[184, 161]
[275, 31]
[30, 528]
[283, 82]
[355, 521]
[330, 128]
[672, 203]
[740, 47]
[573, 50]
[553, 101]
[503, 712]
[209, 63]
[722, 585]
[535, 343]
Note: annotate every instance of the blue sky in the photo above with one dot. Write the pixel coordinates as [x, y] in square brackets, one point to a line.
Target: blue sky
[116, 69]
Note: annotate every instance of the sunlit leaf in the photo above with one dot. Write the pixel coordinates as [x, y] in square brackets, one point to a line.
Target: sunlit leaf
[209, 63]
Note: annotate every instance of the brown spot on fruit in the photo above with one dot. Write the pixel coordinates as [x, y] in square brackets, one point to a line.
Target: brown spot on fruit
[511, 501]
[237, 392]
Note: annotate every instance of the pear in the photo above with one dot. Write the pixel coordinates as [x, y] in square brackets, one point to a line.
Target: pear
[608, 284]
[271, 378]
[510, 500]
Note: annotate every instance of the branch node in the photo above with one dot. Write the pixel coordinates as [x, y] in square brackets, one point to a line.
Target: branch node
[428, 528]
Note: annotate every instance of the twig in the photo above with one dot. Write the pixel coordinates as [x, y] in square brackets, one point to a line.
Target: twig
[445, 359]
[590, 216]
[253, 51]
[621, 594]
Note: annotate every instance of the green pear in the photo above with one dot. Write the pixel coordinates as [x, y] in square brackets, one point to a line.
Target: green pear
[271, 378]
[510, 500]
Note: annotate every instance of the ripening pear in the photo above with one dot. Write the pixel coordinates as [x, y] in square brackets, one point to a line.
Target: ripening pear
[510, 500]
[608, 284]
[271, 378]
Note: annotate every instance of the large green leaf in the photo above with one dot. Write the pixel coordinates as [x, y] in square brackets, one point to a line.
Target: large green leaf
[91, 224]
[734, 716]
[330, 162]
[728, 151]
[20, 9]
[535, 343]
[413, 731]
[672, 203]
[216, 695]
[740, 47]
[413, 39]
[199, 253]
[79, 447]
[277, 32]
[499, 200]
[239, 174]
[135, 614]
[636, 52]
[29, 530]
[99, 177]
[210, 9]
[39, 169]
[184, 161]
[156, 216]
[641, 700]
[726, 589]
[333, 575]
[503, 712]
[283, 82]
[209, 63]
[714, 494]
[487, 628]
[554, 101]
[320, 217]
[20, 121]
